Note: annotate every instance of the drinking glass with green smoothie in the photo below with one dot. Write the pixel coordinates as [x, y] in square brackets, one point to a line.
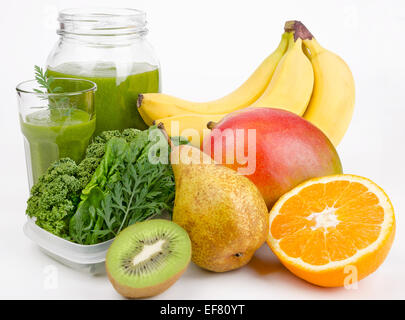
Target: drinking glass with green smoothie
[56, 122]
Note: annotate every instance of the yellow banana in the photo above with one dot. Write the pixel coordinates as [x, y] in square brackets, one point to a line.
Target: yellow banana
[291, 85]
[154, 106]
[191, 126]
[332, 103]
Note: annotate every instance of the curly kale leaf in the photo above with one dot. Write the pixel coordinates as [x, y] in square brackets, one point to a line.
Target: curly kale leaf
[97, 148]
[55, 196]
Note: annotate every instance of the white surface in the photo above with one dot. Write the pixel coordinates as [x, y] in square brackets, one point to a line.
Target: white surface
[206, 49]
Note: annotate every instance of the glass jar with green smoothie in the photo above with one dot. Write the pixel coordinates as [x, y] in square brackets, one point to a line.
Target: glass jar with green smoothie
[108, 47]
[57, 121]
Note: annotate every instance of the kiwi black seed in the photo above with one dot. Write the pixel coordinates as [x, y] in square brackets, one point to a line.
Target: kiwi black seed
[148, 257]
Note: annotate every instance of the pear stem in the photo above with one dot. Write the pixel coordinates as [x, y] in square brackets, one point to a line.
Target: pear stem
[161, 127]
[299, 30]
[139, 100]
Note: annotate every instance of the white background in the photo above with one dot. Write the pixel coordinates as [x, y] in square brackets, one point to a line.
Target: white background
[206, 49]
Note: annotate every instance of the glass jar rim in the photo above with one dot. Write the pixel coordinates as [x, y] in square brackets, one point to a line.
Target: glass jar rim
[20, 88]
[102, 21]
[91, 12]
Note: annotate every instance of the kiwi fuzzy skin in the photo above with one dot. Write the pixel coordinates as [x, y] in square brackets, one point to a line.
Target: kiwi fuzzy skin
[129, 292]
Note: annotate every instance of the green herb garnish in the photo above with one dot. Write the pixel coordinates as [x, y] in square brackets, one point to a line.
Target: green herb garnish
[45, 81]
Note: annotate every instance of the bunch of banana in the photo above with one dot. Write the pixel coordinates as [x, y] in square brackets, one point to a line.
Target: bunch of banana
[332, 101]
[153, 106]
[299, 76]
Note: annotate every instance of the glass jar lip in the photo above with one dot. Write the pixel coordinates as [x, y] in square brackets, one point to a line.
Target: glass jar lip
[20, 88]
[102, 21]
[80, 14]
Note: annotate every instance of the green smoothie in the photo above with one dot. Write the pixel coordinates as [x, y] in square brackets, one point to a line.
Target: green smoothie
[52, 134]
[117, 90]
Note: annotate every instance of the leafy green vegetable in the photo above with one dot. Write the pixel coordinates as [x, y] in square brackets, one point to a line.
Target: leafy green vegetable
[83, 222]
[97, 148]
[114, 186]
[126, 188]
[56, 195]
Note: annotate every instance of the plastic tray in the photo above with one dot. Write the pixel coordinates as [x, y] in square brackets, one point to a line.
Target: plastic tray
[87, 258]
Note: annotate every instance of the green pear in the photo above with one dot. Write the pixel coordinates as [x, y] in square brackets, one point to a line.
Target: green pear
[222, 211]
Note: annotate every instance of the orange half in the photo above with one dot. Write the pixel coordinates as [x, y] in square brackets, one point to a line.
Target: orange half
[334, 230]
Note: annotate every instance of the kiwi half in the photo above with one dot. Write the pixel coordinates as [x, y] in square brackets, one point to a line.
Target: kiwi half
[147, 258]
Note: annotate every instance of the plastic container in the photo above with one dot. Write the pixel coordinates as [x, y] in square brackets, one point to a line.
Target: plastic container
[86, 258]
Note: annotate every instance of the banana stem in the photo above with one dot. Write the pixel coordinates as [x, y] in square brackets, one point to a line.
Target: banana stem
[299, 30]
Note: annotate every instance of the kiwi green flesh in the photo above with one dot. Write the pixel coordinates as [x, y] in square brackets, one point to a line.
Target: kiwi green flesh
[148, 253]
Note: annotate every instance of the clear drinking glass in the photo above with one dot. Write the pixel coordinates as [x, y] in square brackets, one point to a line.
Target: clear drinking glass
[55, 125]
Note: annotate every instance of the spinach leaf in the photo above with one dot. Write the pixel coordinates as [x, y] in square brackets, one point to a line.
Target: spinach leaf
[128, 188]
[84, 220]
